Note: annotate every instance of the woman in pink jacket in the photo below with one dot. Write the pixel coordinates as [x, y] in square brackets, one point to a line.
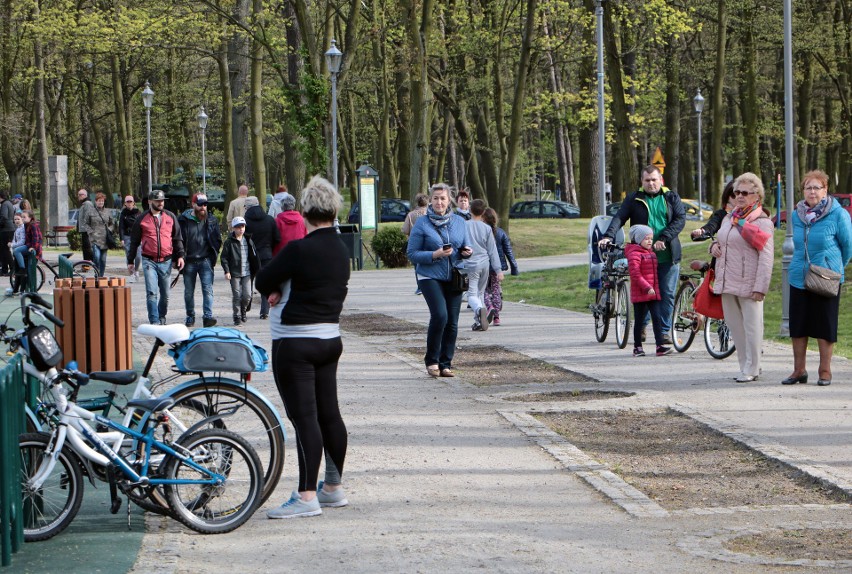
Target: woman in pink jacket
[644, 287]
[744, 258]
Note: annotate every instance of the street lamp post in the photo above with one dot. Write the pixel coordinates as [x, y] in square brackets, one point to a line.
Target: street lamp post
[333, 58]
[148, 100]
[601, 117]
[789, 158]
[202, 124]
[698, 100]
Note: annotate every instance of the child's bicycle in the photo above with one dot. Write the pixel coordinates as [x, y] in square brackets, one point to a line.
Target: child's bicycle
[686, 322]
[612, 300]
[211, 478]
[81, 269]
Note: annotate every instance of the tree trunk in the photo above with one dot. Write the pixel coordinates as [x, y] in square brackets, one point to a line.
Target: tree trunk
[238, 66]
[125, 152]
[673, 109]
[258, 160]
[625, 171]
[749, 106]
[227, 127]
[41, 129]
[716, 172]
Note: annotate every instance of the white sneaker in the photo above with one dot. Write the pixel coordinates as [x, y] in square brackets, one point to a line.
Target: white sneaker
[296, 508]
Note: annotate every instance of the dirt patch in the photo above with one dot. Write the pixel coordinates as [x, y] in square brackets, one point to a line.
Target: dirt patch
[681, 463]
[575, 396]
[796, 544]
[370, 324]
[490, 365]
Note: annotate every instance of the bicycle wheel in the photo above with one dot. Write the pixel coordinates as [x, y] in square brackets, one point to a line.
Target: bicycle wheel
[254, 420]
[622, 315]
[48, 510]
[214, 509]
[39, 279]
[684, 318]
[85, 269]
[717, 339]
[600, 311]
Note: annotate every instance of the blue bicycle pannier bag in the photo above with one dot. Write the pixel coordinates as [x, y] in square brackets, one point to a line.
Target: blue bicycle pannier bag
[219, 349]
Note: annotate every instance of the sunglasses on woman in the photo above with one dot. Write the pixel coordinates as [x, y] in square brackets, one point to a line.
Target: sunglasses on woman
[743, 192]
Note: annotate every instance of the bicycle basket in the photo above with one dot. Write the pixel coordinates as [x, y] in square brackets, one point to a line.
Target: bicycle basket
[219, 349]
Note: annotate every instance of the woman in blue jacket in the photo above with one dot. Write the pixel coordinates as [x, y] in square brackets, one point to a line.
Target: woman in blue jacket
[828, 230]
[438, 242]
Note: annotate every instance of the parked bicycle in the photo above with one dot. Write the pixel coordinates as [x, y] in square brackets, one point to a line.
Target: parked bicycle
[612, 300]
[250, 414]
[686, 321]
[212, 478]
[50, 273]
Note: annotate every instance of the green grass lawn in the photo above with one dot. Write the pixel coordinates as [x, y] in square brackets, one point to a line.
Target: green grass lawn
[568, 289]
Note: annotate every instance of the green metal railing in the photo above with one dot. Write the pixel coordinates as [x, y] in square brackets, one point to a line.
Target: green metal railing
[12, 423]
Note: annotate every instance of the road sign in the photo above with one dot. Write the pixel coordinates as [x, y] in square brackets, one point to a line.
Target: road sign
[659, 162]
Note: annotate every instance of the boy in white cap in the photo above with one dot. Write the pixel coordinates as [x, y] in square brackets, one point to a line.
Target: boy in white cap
[240, 262]
[644, 287]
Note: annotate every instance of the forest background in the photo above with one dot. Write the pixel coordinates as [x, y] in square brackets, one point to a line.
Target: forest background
[498, 96]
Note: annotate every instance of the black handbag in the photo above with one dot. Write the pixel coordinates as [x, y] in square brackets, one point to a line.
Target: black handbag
[111, 243]
[458, 281]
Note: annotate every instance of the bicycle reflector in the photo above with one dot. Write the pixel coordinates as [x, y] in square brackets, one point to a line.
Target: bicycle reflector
[42, 348]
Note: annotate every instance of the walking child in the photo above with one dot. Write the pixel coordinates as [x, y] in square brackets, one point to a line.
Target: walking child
[240, 262]
[644, 287]
[494, 289]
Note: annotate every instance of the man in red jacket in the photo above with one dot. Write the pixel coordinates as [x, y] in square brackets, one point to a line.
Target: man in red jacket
[157, 233]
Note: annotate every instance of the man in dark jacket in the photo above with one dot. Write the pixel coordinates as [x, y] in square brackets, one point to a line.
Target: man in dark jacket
[263, 231]
[202, 241]
[7, 232]
[84, 206]
[157, 233]
[660, 209]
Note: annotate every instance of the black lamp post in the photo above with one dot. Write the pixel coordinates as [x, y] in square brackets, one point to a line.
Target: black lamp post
[333, 59]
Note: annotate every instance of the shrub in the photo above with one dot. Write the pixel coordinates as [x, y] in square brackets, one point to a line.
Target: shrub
[74, 241]
[390, 244]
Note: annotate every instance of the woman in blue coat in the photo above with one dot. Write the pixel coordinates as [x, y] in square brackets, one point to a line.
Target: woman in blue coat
[821, 219]
[438, 242]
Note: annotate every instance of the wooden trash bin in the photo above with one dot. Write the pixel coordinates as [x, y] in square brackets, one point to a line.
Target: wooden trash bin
[97, 316]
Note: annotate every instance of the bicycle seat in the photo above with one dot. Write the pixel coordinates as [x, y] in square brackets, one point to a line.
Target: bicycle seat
[699, 265]
[115, 377]
[169, 334]
[152, 405]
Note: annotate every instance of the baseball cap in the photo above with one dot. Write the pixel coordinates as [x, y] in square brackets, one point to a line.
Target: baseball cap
[157, 195]
[17, 196]
[129, 198]
[238, 221]
[252, 201]
[199, 199]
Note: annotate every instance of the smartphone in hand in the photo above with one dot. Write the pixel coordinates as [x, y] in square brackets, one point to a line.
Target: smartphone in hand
[447, 246]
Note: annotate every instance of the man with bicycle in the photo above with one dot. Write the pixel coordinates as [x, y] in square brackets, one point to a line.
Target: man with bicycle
[659, 208]
[202, 240]
[157, 233]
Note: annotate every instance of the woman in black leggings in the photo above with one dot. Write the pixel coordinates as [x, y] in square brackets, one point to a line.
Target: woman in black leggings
[306, 284]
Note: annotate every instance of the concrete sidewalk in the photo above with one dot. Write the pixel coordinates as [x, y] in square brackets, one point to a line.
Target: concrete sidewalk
[445, 476]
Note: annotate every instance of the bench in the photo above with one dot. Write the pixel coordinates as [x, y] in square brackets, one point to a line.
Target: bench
[58, 235]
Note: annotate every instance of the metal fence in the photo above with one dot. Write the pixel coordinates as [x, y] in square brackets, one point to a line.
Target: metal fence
[12, 423]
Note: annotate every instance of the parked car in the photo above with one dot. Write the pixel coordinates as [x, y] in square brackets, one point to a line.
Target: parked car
[392, 210]
[691, 208]
[543, 209]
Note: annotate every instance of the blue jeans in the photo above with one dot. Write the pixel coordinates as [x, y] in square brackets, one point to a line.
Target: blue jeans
[138, 261]
[669, 274]
[444, 305]
[99, 259]
[204, 271]
[157, 288]
[19, 252]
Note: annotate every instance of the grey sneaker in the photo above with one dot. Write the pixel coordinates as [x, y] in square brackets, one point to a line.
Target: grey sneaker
[296, 508]
[483, 318]
[334, 499]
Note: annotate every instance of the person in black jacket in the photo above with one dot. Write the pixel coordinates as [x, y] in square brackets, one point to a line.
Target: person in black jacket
[7, 232]
[202, 240]
[306, 284]
[715, 220]
[659, 208]
[262, 229]
[126, 219]
[240, 262]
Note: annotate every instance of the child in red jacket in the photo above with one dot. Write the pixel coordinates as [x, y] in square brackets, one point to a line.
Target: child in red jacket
[644, 287]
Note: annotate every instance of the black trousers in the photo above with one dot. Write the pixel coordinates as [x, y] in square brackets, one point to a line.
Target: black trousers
[306, 375]
[7, 261]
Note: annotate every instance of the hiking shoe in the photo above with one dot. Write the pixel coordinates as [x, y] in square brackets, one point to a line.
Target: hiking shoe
[296, 508]
[334, 499]
[476, 327]
[243, 317]
[662, 351]
[264, 316]
[190, 321]
[237, 321]
[638, 352]
[482, 316]
[667, 339]
[209, 321]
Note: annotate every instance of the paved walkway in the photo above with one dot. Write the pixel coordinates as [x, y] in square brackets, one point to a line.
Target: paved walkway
[444, 476]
